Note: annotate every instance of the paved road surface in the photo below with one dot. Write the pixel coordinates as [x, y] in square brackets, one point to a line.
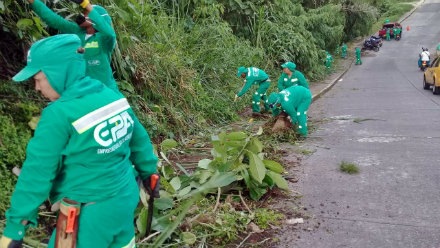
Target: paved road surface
[395, 200]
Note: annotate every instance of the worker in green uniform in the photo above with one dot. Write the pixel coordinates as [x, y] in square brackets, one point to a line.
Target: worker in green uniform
[84, 148]
[344, 51]
[291, 76]
[254, 76]
[328, 61]
[96, 33]
[394, 33]
[294, 101]
[398, 32]
[438, 50]
[388, 34]
[387, 21]
[358, 56]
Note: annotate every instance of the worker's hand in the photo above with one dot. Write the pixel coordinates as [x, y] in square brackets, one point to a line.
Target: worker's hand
[82, 3]
[6, 242]
[31, 2]
[152, 185]
[236, 98]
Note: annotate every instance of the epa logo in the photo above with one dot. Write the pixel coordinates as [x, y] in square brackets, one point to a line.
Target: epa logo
[113, 129]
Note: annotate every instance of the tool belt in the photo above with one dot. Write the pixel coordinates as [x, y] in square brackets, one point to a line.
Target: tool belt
[67, 224]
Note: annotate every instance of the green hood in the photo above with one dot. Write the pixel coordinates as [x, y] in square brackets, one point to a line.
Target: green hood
[242, 70]
[274, 100]
[64, 68]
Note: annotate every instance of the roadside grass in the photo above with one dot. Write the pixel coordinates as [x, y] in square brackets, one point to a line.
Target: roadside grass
[305, 152]
[349, 168]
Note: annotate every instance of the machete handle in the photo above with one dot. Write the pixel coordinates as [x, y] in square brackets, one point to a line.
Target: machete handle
[153, 181]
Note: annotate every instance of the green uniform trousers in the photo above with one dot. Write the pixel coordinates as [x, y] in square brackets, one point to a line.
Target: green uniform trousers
[108, 223]
[299, 115]
[260, 94]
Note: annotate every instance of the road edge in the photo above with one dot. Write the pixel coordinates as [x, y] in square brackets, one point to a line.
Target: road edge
[328, 87]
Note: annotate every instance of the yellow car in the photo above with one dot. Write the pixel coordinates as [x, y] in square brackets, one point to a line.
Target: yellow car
[431, 77]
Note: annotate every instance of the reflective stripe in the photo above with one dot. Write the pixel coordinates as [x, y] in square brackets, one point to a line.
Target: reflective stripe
[300, 127]
[267, 100]
[131, 244]
[93, 118]
[285, 79]
[298, 113]
[253, 102]
[294, 80]
[305, 112]
[261, 94]
[256, 93]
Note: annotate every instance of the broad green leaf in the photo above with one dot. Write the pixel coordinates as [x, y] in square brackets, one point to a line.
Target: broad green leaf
[278, 180]
[163, 203]
[184, 207]
[167, 171]
[204, 175]
[204, 163]
[143, 196]
[256, 167]
[188, 238]
[184, 191]
[24, 23]
[141, 222]
[162, 154]
[273, 166]
[175, 183]
[182, 169]
[156, 108]
[168, 144]
[236, 136]
[34, 122]
[255, 146]
[260, 131]
[164, 184]
[256, 192]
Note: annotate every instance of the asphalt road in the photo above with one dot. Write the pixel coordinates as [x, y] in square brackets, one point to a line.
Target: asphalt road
[395, 199]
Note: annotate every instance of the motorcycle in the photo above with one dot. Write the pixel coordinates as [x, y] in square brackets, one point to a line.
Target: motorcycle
[370, 44]
[377, 39]
[424, 65]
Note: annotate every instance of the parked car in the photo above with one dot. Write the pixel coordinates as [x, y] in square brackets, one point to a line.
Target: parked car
[391, 26]
[431, 77]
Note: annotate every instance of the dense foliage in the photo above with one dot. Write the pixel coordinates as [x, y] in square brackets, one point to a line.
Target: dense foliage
[176, 60]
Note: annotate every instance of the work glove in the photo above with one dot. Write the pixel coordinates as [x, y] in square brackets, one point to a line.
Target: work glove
[155, 179]
[82, 3]
[80, 19]
[6, 242]
[236, 98]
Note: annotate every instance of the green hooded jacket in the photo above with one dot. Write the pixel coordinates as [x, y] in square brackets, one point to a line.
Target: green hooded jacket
[254, 76]
[85, 144]
[98, 47]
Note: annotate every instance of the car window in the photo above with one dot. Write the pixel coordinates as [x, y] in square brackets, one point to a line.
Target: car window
[436, 62]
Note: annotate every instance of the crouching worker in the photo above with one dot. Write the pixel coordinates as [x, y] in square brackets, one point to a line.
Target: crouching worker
[294, 101]
[253, 75]
[82, 154]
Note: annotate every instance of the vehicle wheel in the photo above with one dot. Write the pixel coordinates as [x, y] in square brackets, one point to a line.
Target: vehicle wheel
[435, 89]
[376, 49]
[425, 84]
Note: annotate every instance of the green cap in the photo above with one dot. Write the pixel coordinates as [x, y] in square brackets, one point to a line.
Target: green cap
[387, 21]
[289, 65]
[50, 51]
[242, 70]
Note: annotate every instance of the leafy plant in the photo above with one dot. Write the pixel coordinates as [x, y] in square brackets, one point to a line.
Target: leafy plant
[349, 168]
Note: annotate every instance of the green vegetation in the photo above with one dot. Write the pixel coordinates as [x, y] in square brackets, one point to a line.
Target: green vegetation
[176, 63]
[349, 168]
